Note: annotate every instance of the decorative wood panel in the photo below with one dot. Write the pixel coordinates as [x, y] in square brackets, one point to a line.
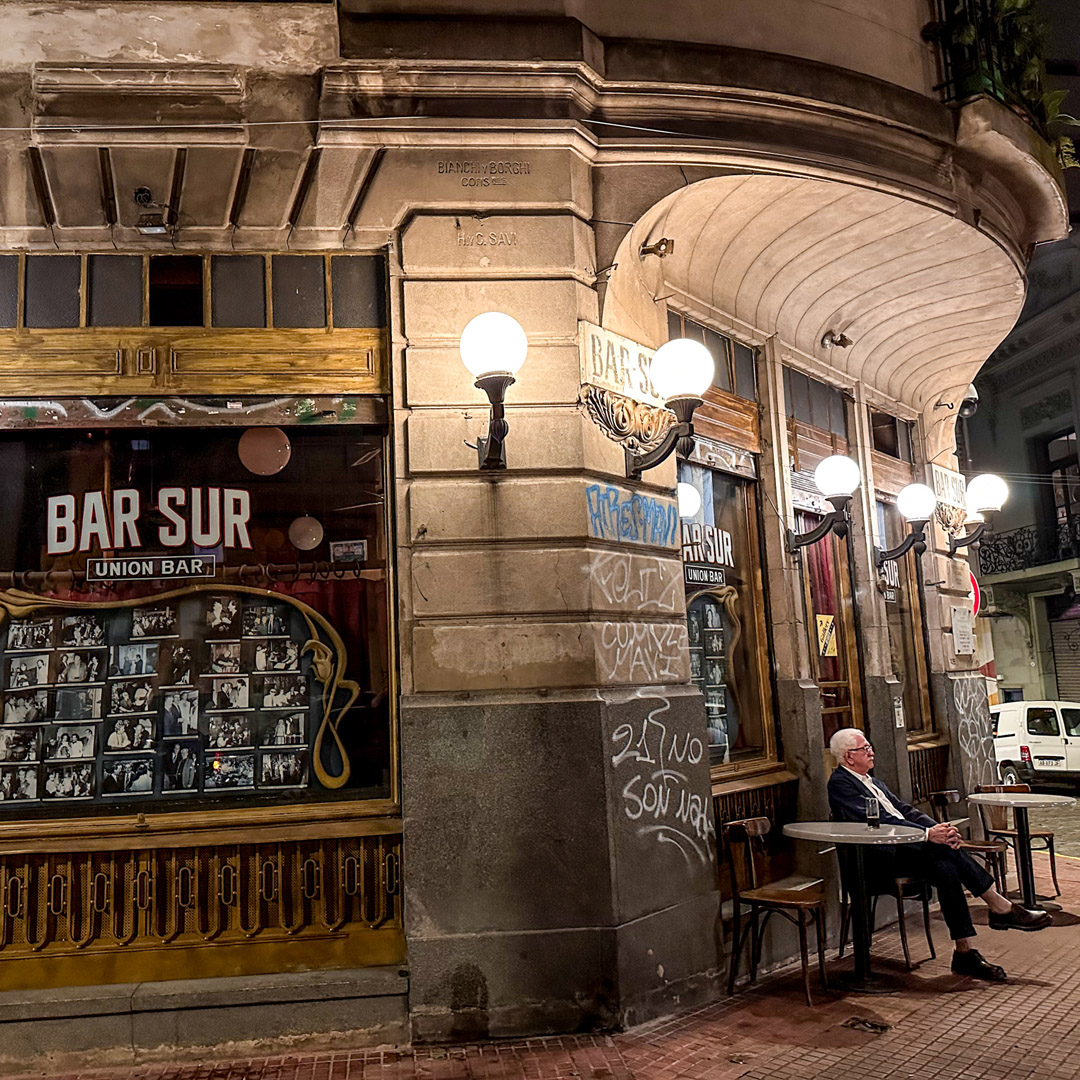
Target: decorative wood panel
[929, 763]
[891, 474]
[729, 419]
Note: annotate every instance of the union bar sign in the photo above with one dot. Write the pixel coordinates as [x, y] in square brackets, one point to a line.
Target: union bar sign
[706, 551]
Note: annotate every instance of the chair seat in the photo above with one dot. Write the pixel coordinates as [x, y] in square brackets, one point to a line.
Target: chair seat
[809, 897]
[988, 846]
[1036, 834]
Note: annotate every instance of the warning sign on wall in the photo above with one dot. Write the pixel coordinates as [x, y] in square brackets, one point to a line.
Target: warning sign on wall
[826, 634]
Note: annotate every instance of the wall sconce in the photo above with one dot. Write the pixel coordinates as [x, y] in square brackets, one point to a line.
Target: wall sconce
[836, 478]
[917, 504]
[986, 494]
[681, 371]
[661, 249]
[151, 221]
[832, 340]
[493, 347]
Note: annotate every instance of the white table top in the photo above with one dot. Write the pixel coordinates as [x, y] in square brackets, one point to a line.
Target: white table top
[1021, 798]
[854, 832]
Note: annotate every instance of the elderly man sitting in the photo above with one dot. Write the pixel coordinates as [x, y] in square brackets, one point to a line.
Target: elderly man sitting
[937, 860]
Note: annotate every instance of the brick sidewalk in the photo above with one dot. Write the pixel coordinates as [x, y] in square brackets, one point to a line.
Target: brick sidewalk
[940, 1027]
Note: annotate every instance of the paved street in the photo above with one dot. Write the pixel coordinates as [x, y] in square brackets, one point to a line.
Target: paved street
[1064, 822]
[936, 1027]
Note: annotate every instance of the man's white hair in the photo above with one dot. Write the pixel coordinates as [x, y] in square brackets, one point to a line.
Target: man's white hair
[844, 740]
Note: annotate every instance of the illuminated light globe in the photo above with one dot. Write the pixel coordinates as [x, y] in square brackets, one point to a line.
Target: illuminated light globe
[986, 494]
[689, 499]
[264, 451]
[916, 502]
[837, 476]
[305, 533]
[682, 369]
[493, 344]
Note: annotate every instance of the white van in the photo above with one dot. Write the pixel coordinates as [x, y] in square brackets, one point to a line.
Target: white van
[1037, 741]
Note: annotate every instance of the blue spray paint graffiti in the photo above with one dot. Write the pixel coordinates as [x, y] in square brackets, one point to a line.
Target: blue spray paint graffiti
[638, 519]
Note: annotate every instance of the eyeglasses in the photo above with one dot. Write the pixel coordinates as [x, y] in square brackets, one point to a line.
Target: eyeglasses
[864, 747]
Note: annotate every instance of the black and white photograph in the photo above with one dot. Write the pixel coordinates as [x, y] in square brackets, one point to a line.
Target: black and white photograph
[713, 619]
[139, 659]
[693, 626]
[18, 783]
[69, 781]
[229, 693]
[86, 628]
[283, 729]
[283, 770]
[714, 672]
[19, 744]
[176, 663]
[265, 620]
[714, 643]
[716, 698]
[128, 776]
[224, 657]
[280, 654]
[223, 616]
[70, 742]
[131, 696]
[31, 670]
[26, 706]
[695, 663]
[130, 733]
[29, 634]
[284, 691]
[180, 714]
[157, 622]
[79, 704]
[221, 771]
[228, 731]
[182, 767]
[81, 666]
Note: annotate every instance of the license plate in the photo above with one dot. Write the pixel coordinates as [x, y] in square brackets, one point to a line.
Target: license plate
[1049, 760]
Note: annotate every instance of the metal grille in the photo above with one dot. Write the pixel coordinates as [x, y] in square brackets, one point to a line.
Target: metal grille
[1065, 640]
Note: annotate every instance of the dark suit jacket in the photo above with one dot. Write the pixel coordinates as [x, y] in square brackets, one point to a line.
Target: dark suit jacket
[847, 800]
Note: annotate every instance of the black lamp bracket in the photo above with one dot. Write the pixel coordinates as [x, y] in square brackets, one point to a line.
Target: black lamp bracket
[971, 538]
[915, 539]
[679, 436]
[491, 450]
[837, 521]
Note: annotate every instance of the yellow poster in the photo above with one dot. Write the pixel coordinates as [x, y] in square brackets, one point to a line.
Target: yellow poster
[826, 634]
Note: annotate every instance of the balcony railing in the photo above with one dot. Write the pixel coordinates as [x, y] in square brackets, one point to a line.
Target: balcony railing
[1032, 545]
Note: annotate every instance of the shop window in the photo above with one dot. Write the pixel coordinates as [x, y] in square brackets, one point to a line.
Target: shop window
[727, 636]
[9, 290]
[814, 402]
[891, 436]
[176, 290]
[238, 290]
[735, 363]
[52, 291]
[1061, 456]
[299, 290]
[115, 290]
[358, 288]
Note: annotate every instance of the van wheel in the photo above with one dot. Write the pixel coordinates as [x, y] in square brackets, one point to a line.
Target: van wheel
[1009, 775]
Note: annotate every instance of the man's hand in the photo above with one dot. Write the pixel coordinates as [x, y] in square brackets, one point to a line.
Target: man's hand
[944, 834]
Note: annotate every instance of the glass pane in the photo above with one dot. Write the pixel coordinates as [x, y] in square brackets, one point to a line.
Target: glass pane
[358, 283]
[820, 396]
[115, 288]
[838, 414]
[299, 284]
[1042, 721]
[799, 406]
[1071, 718]
[718, 345]
[903, 436]
[674, 325]
[9, 289]
[238, 290]
[176, 290]
[745, 373]
[52, 290]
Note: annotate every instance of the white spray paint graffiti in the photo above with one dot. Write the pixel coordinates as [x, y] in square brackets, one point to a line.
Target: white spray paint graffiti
[975, 734]
[658, 795]
[643, 652]
[640, 583]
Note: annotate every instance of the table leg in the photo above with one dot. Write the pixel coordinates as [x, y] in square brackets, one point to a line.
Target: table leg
[860, 920]
[1024, 864]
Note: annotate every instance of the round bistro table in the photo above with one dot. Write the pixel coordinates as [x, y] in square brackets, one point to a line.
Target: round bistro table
[1021, 802]
[858, 835]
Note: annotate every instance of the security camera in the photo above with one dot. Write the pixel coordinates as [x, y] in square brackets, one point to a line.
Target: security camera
[970, 404]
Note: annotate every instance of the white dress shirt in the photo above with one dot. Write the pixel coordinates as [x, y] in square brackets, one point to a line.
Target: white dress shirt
[886, 803]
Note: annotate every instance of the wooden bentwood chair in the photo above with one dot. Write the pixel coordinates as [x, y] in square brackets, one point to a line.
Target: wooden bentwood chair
[991, 852]
[996, 825]
[798, 898]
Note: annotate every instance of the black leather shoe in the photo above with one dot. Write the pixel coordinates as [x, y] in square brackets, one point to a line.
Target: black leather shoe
[972, 963]
[1021, 918]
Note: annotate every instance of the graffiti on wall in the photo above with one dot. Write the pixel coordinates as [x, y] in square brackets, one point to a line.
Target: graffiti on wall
[631, 517]
[974, 731]
[642, 652]
[640, 583]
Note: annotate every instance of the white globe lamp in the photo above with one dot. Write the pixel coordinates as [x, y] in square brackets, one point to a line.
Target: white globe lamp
[493, 344]
[689, 499]
[986, 494]
[837, 477]
[682, 368]
[916, 502]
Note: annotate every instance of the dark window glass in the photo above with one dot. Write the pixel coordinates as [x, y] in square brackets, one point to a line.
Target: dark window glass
[745, 377]
[114, 290]
[358, 283]
[838, 414]
[674, 325]
[237, 290]
[1042, 721]
[52, 290]
[820, 400]
[717, 344]
[176, 292]
[299, 283]
[883, 433]
[9, 289]
[799, 405]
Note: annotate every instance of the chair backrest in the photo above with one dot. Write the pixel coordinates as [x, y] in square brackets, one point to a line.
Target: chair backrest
[746, 852]
[997, 817]
[940, 801]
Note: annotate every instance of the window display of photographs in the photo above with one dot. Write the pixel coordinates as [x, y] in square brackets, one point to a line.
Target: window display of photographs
[83, 666]
[131, 696]
[128, 776]
[714, 672]
[28, 671]
[69, 781]
[716, 698]
[230, 693]
[176, 663]
[86, 628]
[182, 767]
[265, 620]
[223, 771]
[695, 663]
[180, 715]
[18, 744]
[279, 655]
[228, 732]
[283, 730]
[18, 783]
[139, 659]
[283, 770]
[714, 644]
[131, 733]
[224, 657]
[70, 741]
[79, 704]
[693, 626]
[223, 616]
[26, 706]
[29, 634]
[157, 622]
[284, 691]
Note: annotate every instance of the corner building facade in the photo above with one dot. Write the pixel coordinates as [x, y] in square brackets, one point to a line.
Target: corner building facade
[482, 795]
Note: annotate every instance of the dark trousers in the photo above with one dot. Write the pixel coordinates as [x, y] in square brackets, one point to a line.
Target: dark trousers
[950, 872]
